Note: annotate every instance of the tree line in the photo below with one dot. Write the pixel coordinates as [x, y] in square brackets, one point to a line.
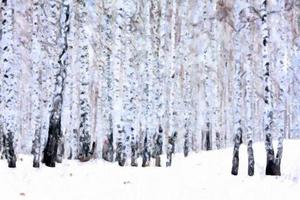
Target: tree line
[123, 79]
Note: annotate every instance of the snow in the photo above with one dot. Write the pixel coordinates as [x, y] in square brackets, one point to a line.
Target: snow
[204, 175]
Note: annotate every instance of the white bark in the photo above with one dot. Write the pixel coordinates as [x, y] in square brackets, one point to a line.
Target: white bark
[238, 131]
[10, 82]
[36, 84]
[84, 65]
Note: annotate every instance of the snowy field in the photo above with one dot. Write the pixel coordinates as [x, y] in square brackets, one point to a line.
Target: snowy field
[202, 176]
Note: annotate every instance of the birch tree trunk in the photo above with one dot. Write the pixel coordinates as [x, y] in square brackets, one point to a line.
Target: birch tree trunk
[164, 31]
[85, 150]
[1, 91]
[70, 119]
[249, 117]
[248, 19]
[173, 86]
[149, 128]
[55, 134]
[207, 132]
[118, 61]
[37, 83]
[155, 20]
[108, 148]
[10, 83]
[129, 84]
[185, 42]
[282, 85]
[271, 168]
[237, 95]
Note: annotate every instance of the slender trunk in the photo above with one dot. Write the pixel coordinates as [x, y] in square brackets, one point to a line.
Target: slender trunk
[173, 103]
[282, 86]
[54, 141]
[237, 97]
[158, 146]
[10, 83]
[207, 132]
[248, 63]
[108, 148]
[148, 90]
[249, 117]
[156, 31]
[271, 168]
[85, 150]
[185, 52]
[36, 76]
[171, 148]
[118, 62]
[1, 93]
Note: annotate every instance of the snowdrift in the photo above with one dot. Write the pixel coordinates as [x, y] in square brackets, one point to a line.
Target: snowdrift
[205, 175]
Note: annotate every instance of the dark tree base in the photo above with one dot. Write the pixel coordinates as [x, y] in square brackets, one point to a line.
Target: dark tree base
[251, 170]
[11, 159]
[157, 161]
[84, 158]
[118, 157]
[108, 156]
[186, 145]
[12, 164]
[108, 153]
[121, 162]
[49, 159]
[87, 153]
[50, 151]
[119, 153]
[235, 160]
[169, 158]
[146, 159]
[134, 150]
[272, 168]
[134, 164]
[10, 153]
[36, 164]
[49, 162]
[235, 166]
[186, 152]
[146, 163]
[250, 159]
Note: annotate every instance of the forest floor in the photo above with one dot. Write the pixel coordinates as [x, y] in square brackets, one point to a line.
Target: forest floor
[201, 176]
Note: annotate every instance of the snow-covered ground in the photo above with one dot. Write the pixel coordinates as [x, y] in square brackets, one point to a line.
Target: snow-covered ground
[202, 176]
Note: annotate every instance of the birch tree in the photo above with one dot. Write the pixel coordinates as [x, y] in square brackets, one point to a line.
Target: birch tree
[271, 168]
[207, 132]
[249, 98]
[70, 117]
[163, 77]
[237, 93]
[55, 132]
[85, 150]
[187, 73]
[36, 82]
[147, 77]
[108, 148]
[1, 91]
[155, 13]
[118, 61]
[10, 83]
[281, 64]
[129, 85]
[173, 77]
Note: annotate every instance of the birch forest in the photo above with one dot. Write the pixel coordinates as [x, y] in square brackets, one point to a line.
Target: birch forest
[129, 80]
